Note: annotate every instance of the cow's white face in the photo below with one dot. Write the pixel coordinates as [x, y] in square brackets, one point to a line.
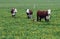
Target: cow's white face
[49, 11]
[27, 11]
[15, 10]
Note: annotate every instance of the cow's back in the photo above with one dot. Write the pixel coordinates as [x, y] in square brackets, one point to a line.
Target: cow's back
[30, 11]
[12, 10]
[42, 13]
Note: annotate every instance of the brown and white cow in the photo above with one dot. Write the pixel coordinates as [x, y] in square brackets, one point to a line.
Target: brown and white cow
[43, 15]
[29, 13]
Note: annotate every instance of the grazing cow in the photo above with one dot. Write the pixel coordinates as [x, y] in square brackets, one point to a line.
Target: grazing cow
[13, 12]
[43, 14]
[29, 13]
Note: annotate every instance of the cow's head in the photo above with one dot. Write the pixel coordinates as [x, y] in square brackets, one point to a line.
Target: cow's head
[27, 10]
[49, 11]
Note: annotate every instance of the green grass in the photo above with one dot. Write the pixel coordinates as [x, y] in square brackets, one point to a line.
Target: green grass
[23, 28]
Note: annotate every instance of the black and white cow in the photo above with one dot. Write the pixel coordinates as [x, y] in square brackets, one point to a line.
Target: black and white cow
[13, 12]
[29, 13]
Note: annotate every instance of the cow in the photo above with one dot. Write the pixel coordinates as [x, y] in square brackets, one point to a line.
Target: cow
[29, 13]
[43, 15]
[13, 12]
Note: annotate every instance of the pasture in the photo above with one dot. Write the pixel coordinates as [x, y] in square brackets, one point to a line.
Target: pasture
[23, 28]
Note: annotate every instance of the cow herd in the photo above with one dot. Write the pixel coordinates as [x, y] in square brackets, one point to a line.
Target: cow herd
[40, 14]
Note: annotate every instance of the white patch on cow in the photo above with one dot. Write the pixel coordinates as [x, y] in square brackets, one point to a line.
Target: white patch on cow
[15, 10]
[49, 11]
[13, 13]
[48, 17]
[29, 16]
[27, 10]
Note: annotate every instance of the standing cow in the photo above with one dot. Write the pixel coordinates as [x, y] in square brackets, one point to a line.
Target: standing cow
[43, 14]
[29, 13]
[13, 12]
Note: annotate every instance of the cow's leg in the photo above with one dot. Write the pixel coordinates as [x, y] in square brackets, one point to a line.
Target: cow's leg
[13, 14]
[40, 18]
[31, 16]
[28, 16]
[46, 19]
[37, 18]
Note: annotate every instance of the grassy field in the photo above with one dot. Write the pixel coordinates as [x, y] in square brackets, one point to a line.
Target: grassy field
[23, 28]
